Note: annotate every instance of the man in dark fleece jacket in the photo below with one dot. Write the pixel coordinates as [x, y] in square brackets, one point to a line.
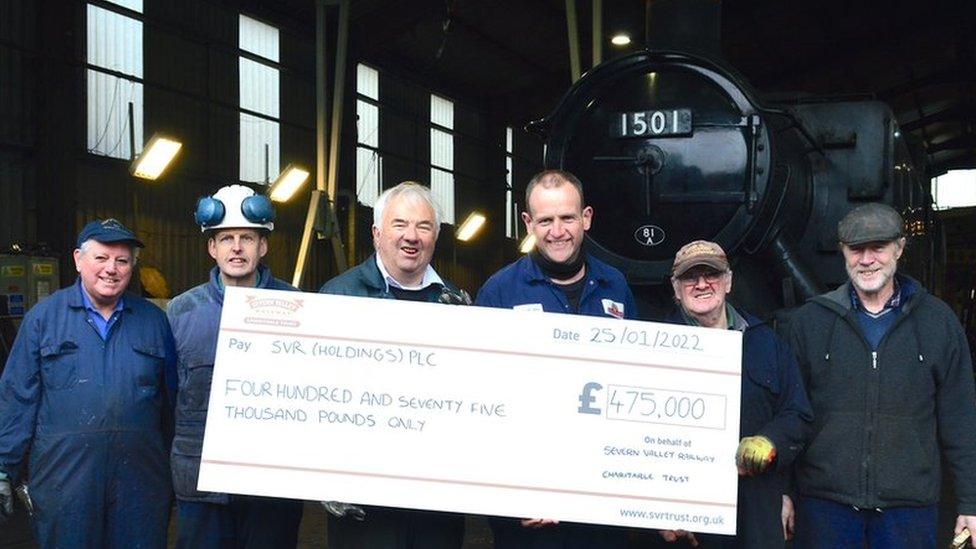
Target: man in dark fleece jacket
[888, 371]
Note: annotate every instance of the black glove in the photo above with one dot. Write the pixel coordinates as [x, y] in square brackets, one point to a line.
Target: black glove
[340, 509]
[6, 500]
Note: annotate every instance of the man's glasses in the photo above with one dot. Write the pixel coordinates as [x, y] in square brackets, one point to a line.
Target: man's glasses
[691, 278]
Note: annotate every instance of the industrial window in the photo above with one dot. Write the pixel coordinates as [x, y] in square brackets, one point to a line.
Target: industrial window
[259, 101]
[369, 164]
[114, 78]
[511, 213]
[954, 189]
[442, 155]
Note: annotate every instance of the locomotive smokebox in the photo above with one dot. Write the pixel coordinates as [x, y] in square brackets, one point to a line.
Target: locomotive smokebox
[673, 145]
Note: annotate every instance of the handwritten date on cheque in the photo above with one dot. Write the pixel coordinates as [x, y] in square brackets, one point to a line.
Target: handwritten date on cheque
[654, 339]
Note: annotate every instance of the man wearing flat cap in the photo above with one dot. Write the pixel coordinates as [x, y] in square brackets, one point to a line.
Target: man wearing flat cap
[86, 391]
[888, 371]
[774, 411]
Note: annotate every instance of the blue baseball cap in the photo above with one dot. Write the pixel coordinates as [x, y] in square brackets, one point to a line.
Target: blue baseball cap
[108, 231]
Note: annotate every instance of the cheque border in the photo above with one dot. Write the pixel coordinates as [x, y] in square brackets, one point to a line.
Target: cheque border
[462, 482]
[481, 350]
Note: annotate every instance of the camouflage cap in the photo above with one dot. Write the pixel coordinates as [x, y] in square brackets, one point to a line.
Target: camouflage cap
[699, 252]
[873, 222]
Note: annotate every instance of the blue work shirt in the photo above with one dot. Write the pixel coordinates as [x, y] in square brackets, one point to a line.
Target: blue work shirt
[96, 319]
[522, 285]
[94, 414]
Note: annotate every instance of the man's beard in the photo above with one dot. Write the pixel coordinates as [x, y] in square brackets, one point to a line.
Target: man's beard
[881, 279]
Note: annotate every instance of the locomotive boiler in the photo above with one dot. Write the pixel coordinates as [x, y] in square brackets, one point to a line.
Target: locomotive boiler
[673, 146]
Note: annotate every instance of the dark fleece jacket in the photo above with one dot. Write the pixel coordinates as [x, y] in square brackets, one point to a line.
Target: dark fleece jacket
[882, 418]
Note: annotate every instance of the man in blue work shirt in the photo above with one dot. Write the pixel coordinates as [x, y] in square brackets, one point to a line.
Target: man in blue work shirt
[236, 222]
[557, 276]
[86, 389]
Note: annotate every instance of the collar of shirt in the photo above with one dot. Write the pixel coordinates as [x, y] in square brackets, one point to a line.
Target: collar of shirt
[734, 320]
[96, 317]
[894, 302]
[258, 281]
[430, 277]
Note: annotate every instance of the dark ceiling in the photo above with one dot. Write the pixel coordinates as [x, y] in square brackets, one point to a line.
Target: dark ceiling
[511, 57]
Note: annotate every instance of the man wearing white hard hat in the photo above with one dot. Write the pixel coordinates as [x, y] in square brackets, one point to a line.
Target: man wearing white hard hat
[236, 223]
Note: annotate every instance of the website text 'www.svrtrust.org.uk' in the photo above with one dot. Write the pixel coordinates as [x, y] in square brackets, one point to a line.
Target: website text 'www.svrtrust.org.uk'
[679, 519]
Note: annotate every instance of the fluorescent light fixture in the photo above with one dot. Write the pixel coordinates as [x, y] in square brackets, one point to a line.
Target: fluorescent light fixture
[287, 183]
[527, 243]
[620, 39]
[155, 157]
[470, 227]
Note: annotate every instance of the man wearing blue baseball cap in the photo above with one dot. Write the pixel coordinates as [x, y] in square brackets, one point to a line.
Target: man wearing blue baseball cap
[86, 389]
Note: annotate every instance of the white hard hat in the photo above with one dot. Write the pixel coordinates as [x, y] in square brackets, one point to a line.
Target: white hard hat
[235, 206]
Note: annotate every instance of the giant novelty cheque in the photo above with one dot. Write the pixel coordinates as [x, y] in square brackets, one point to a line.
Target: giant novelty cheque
[474, 410]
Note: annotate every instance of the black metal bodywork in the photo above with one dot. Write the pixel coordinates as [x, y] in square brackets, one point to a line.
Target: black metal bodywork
[768, 183]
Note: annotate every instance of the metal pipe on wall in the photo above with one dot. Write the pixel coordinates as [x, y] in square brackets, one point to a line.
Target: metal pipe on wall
[574, 45]
[325, 183]
[338, 93]
[597, 32]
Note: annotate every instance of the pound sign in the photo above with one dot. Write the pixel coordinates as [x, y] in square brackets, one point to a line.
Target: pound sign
[586, 398]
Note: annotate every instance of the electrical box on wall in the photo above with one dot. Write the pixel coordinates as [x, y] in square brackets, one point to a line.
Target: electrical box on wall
[24, 281]
[13, 285]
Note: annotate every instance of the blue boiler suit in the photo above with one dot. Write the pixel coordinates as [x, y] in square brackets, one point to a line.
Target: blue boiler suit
[209, 519]
[94, 414]
[522, 285]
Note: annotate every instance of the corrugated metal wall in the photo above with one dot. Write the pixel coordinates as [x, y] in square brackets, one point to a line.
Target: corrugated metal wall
[18, 84]
[192, 92]
[190, 66]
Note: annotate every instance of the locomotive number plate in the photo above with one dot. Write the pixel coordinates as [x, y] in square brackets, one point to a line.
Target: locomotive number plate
[666, 122]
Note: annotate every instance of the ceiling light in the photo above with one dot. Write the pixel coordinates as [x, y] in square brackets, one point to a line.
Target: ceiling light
[155, 157]
[471, 225]
[527, 243]
[287, 183]
[620, 39]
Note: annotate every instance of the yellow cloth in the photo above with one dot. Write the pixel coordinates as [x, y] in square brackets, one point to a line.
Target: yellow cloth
[755, 455]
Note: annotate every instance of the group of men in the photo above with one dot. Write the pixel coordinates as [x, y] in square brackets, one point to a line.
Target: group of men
[98, 379]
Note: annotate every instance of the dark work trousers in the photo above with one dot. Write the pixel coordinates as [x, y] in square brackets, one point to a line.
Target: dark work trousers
[510, 534]
[825, 524]
[387, 528]
[246, 523]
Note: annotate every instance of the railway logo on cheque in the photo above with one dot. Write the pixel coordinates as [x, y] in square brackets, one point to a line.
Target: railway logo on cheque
[649, 235]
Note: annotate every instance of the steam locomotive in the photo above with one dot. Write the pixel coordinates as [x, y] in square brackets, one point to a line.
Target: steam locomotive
[673, 146]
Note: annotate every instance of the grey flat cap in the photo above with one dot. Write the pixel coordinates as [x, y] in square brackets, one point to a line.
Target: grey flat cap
[873, 222]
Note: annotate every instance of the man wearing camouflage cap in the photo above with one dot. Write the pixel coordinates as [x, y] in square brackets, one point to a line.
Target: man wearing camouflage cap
[889, 375]
[774, 411]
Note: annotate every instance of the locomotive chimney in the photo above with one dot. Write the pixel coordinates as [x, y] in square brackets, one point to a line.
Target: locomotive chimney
[686, 25]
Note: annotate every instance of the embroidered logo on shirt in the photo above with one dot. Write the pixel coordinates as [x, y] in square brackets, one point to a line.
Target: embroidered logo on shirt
[613, 308]
[528, 307]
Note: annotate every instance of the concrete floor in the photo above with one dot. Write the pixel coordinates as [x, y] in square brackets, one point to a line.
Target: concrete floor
[16, 534]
